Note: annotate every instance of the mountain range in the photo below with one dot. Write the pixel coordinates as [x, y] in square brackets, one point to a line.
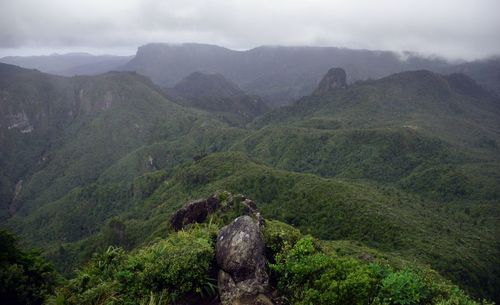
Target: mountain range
[69, 64]
[278, 74]
[214, 93]
[405, 162]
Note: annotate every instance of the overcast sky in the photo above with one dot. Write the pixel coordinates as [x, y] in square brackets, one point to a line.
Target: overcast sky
[450, 28]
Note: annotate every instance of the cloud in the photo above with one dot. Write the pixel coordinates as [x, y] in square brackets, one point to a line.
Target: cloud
[452, 28]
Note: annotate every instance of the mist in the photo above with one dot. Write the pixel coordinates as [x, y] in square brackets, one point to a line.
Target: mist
[448, 28]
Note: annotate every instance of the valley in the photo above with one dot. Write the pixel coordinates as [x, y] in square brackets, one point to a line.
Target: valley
[405, 165]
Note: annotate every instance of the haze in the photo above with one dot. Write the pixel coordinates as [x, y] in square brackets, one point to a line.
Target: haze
[449, 28]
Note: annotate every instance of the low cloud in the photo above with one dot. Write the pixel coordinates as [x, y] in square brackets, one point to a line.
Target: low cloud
[450, 28]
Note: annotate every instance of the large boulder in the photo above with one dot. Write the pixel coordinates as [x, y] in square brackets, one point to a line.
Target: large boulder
[194, 212]
[240, 255]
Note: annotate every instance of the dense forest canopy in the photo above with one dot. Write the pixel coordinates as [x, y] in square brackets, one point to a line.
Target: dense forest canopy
[216, 173]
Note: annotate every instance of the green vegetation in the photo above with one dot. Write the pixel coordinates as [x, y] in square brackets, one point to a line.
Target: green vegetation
[165, 271]
[458, 242]
[180, 268]
[306, 275]
[407, 165]
[26, 278]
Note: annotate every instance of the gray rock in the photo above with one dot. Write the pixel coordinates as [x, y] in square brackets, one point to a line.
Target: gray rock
[335, 78]
[252, 210]
[194, 212]
[240, 255]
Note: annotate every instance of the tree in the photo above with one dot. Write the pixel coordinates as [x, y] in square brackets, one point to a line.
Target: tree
[25, 276]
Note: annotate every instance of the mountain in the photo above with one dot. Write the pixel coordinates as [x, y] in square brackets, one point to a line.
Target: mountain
[402, 224]
[212, 92]
[59, 133]
[451, 107]
[200, 85]
[418, 128]
[256, 260]
[430, 135]
[407, 165]
[29, 106]
[281, 75]
[486, 72]
[68, 64]
[262, 261]
[335, 78]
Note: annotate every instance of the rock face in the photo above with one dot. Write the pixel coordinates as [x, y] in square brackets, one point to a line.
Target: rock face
[334, 79]
[240, 255]
[195, 211]
[14, 205]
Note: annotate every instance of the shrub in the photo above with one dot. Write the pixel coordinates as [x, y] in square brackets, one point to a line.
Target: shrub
[160, 273]
[25, 276]
[307, 276]
[403, 288]
[179, 264]
[279, 236]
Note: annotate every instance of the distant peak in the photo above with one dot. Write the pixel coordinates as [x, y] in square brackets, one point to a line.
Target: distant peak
[335, 78]
[207, 85]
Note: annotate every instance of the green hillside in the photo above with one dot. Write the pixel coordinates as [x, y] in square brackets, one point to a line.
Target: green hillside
[453, 108]
[459, 241]
[82, 128]
[407, 165]
[425, 132]
[180, 267]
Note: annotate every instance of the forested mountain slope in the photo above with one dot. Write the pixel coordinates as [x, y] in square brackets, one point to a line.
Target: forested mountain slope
[406, 164]
[451, 107]
[58, 133]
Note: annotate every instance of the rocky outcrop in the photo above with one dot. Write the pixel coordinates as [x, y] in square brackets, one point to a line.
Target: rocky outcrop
[19, 121]
[194, 212]
[14, 204]
[240, 255]
[240, 248]
[197, 211]
[334, 79]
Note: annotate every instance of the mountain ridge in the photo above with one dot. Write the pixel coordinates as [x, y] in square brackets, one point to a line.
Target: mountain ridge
[407, 164]
[214, 93]
[427, 99]
[61, 114]
[278, 74]
[69, 64]
[282, 74]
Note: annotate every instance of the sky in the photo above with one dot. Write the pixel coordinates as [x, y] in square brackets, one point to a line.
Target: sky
[455, 29]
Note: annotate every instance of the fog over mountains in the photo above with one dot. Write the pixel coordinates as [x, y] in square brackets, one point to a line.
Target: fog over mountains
[279, 75]
[69, 64]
